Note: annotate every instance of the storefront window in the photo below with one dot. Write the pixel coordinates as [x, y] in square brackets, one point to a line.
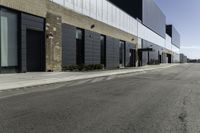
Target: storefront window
[9, 54]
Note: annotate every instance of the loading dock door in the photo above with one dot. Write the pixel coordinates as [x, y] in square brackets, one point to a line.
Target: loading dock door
[35, 51]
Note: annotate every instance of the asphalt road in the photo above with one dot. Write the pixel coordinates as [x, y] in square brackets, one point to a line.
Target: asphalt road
[161, 101]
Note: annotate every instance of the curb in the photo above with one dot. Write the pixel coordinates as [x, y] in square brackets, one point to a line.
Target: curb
[58, 81]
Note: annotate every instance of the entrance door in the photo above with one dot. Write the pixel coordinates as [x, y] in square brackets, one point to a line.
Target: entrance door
[169, 58]
[132, 57]
[122, 53]
[35, 51]
[79, 47]
[103, 50]
[160, 59]
[139, 57]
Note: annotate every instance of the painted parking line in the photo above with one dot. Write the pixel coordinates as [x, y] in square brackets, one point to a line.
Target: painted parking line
[74, 83]
[111, 77]
[97, 80]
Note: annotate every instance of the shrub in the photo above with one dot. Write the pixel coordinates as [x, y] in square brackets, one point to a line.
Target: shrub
[83, 67]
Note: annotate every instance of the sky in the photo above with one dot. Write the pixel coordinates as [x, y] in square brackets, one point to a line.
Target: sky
[185, 16]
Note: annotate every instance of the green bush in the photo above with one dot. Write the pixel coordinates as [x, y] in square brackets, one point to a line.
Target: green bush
[154, 62]
[83, 67]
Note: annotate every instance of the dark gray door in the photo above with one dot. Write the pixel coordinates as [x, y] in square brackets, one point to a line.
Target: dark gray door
[132, 57]
[169, 58]
[35, 51]
[80, 47]
[122, 53]
[103, 50]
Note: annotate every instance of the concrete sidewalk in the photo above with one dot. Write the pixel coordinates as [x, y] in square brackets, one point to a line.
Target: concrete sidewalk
[21, 80]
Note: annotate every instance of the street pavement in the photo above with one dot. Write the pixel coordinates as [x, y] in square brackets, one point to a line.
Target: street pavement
[21, 80]
[159, 101]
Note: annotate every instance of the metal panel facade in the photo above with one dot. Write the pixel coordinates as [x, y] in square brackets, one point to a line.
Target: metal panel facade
[68, 45]
[168, 42]
[112, 52]
[171, 46]
[175, 49]
[129, 6]
[153, 55]
[153, 17]
[104, 11]
[151, 29]
[129, 46]
[28, 22]
[92, 48]
[147, 34]
[171, 31]
[145, 10]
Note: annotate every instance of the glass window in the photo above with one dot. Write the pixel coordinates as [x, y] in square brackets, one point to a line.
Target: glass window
[79, 34]
[9, 55]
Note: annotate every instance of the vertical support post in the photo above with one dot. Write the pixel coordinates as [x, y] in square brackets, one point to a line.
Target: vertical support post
[53, 42]
[148, 58]
[0, 39]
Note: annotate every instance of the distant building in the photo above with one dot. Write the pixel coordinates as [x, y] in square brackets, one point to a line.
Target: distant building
[193, 60]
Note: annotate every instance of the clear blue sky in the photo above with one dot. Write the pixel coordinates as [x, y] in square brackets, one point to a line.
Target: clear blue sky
[185, 16]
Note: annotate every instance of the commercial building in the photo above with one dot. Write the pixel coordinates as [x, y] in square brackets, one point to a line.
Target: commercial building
[46, 35]
[160, 43]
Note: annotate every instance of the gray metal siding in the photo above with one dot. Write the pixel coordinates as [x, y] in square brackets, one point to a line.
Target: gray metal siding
[112, 52]
[171, 31]
[175, 37]
[127, 52]
[28, 22]
[145, 10]
[153, 55]
[132, 7]
[116, 53]
[109, 52]
[164, 58]
[92, 47]
[68, 45]
[153, 17]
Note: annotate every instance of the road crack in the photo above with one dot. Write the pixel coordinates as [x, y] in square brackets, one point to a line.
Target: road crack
[183, 115]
